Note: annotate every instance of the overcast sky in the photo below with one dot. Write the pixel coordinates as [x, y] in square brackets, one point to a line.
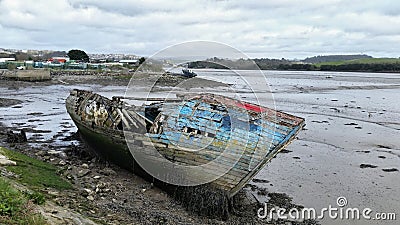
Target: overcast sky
[270, 28]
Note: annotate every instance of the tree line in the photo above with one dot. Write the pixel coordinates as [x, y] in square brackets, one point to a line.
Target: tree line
[283, 64]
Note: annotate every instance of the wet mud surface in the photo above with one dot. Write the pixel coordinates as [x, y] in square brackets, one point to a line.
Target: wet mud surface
[102, 191]
[350, 147]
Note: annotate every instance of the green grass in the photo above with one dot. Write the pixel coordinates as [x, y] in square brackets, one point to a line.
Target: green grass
[331, 63]
[376, 60]
[15, 207]
[35, 173]
[362, 61]
[36, 197]
[10, 199]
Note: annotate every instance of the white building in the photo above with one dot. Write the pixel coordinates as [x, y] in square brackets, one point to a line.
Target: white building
[129, 61]
[3, 60]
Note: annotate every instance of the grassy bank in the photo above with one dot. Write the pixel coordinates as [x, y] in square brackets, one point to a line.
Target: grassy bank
[388, 65]
[34, 173]
[17, 207]
[362, 61]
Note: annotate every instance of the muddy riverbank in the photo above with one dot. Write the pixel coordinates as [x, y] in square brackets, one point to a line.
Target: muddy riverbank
[349, 147]
[102, 191]
[107, 194]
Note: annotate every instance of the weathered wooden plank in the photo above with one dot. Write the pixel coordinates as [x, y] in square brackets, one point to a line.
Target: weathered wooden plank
[126, 123]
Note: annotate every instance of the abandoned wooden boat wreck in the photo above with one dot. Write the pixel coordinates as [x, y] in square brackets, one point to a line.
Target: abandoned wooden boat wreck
[239, 137]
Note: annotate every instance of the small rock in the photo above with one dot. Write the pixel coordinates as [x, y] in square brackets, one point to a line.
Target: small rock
[62, 163]
[90, 197]
[84, 172]
[54, 152]
[76, 221]
[108, 171]
[262, 191]
[16, 137]
[85, 166]
[87, 190]
[96, 177]
[7, 162]
[40, 153]
[54, 193]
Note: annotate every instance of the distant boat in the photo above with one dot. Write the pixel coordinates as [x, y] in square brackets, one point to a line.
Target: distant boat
[188, 73]
[241, 135]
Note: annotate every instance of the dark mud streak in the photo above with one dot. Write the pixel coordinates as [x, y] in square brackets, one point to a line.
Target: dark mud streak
[255, 180]
[390, 152]
[363, 166]
[389, 170]
[384, 146]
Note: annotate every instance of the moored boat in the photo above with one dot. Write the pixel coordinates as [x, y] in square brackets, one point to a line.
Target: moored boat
[188, 73]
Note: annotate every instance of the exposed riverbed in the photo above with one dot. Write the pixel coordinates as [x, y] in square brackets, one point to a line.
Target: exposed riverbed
[350, 146]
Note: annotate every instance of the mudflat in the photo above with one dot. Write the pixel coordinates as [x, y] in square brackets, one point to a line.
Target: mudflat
[349, 147]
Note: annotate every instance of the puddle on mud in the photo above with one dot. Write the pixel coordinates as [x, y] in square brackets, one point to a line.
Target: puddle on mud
[41, 112]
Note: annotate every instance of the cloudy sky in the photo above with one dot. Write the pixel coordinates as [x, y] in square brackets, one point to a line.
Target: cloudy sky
[271, 28]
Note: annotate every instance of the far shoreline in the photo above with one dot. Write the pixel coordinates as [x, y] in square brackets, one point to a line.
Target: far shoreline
[294, 70]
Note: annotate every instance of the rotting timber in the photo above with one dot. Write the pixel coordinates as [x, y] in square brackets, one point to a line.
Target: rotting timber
[192, 130]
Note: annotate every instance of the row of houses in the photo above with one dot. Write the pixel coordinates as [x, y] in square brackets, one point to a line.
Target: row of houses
[63, 63]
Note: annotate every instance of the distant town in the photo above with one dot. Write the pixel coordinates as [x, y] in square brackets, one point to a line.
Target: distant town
[27, 59]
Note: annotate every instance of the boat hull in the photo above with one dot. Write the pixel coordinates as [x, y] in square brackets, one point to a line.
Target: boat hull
[111, 147]
[110, 142]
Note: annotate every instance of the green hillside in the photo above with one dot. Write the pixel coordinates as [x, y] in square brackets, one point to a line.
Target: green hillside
[362, 61]
[391, 65]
